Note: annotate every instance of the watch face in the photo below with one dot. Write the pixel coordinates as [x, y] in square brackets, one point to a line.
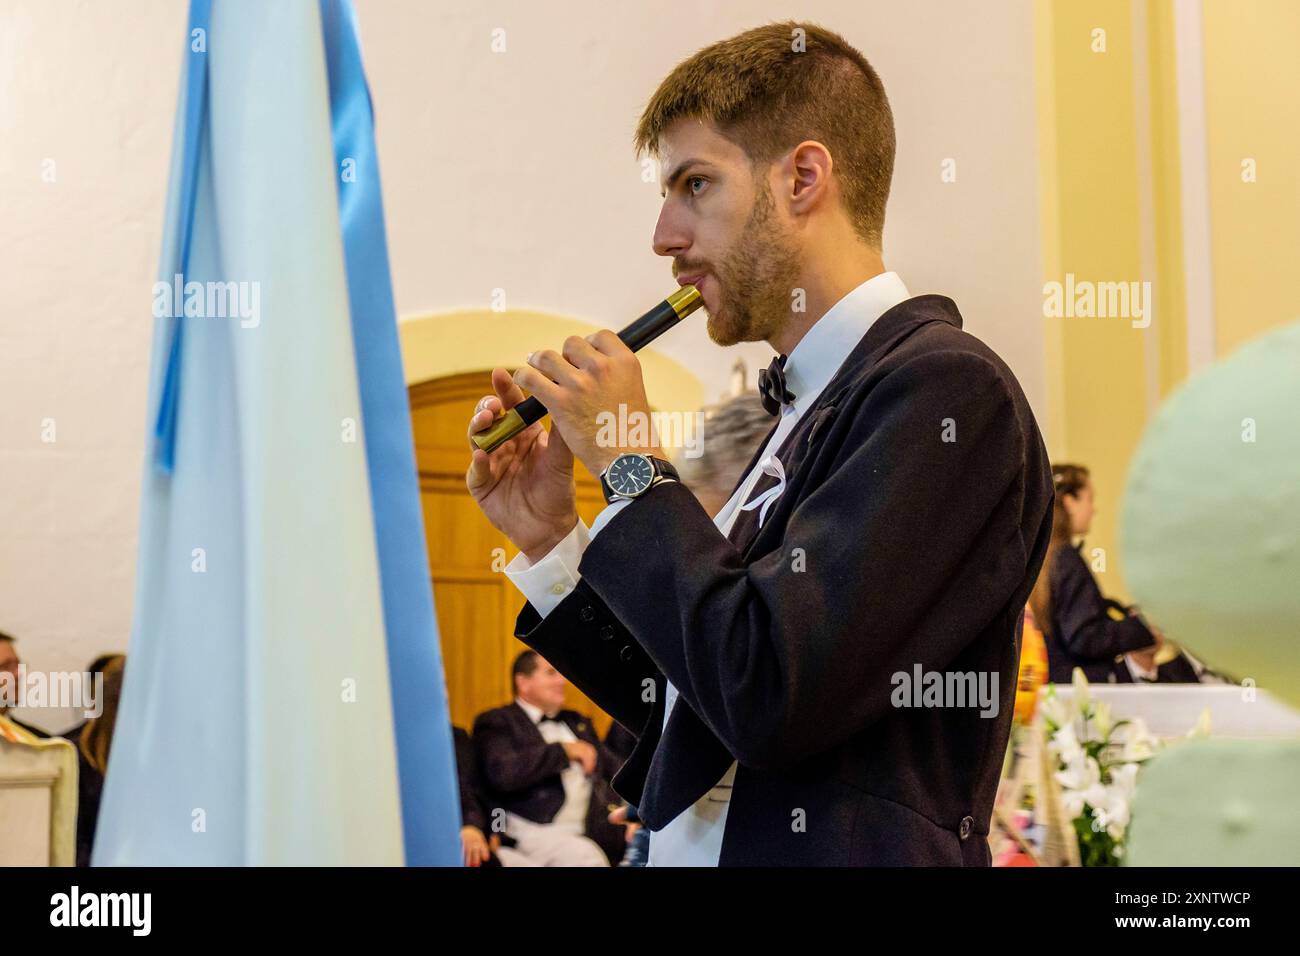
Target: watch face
[629, 475]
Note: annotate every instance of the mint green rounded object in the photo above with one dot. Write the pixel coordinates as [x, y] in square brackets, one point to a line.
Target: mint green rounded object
[1210, 515]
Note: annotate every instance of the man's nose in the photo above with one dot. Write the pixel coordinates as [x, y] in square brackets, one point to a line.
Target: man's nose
[671, 238]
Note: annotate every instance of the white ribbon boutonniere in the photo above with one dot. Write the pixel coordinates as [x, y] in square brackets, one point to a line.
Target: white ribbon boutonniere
[770, 466]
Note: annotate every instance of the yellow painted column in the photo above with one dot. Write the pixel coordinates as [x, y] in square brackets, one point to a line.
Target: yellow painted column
[1169, 286]
[1252, 91]
[1097, 364]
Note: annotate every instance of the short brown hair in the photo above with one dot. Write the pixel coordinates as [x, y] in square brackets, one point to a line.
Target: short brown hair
[770, 88]
[525, 665]
[1067, 479]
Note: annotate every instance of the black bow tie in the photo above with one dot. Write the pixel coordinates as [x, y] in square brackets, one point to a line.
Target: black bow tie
[771, 386]
[543, 719]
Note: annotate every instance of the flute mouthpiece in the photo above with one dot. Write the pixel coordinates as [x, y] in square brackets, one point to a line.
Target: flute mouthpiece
[685, 300]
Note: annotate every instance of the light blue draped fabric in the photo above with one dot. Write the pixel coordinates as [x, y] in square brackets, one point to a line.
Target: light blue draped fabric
[426, 760]
[195, 114]
[283, 701]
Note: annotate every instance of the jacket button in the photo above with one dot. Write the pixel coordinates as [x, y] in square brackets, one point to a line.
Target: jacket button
[967, 824]
[625, 655]
[587, 614]
[607, 632]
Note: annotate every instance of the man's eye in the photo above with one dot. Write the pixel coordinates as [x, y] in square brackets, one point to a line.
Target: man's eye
[690, 184]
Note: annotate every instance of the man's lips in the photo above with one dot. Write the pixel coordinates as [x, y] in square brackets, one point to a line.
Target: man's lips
[692, 279]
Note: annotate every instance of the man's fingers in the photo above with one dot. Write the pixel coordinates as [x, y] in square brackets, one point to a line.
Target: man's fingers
[557, 368]
[537, 383]
[480, 469]
[485, 413]
[491, 407]
[607, 343]
[508, 391]
[580, 353]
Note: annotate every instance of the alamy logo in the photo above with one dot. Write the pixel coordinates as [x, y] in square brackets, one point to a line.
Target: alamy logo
[209, 300]
[922, 688]
[1084, 299]
[102, 909]
[631, 429]
[81, 690]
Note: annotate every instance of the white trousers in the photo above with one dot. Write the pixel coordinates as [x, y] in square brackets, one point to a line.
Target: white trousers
[549, 844]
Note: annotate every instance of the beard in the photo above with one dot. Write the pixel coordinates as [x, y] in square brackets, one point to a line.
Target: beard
[756, 278]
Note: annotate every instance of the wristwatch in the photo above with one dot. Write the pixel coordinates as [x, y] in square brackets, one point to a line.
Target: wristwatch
[632, 475]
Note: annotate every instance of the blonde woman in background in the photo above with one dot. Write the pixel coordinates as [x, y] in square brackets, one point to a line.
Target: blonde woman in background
[94, 739]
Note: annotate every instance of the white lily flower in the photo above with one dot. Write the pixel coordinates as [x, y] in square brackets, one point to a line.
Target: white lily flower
[1118, 808]
[1105, 721]
[1079, 773]
[1110, 809]
[1097, 795]
[1080, 684]
[1053, 709]
[1137, 741]
[1066, 743]
[1123, 779]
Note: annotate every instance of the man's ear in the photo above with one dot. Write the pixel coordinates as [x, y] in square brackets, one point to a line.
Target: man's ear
[808, 171]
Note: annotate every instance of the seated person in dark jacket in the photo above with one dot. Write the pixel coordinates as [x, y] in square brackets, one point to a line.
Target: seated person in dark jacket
[546, 768]
[1076, 619]
[1141, 667]
[474, 840]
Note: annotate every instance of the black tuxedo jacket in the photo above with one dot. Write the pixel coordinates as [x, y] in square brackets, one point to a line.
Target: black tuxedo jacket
[1083, 634]
[473, 813]
[520, 772]
[914, 522]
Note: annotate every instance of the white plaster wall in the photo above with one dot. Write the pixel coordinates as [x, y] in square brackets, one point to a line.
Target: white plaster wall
[509, 171]
[90, 87]
[557, 215]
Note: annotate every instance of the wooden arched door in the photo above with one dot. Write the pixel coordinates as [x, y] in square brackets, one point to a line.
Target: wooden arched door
[476, 603]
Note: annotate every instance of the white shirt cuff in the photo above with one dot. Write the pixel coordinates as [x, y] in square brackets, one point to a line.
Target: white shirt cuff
[605, 516]
[1138, 672]
[549, 581]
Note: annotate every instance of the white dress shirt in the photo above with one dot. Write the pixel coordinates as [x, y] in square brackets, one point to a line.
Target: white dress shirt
[694, 838]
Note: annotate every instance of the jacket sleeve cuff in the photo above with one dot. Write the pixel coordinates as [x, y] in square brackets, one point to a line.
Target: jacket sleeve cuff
[549, 581]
